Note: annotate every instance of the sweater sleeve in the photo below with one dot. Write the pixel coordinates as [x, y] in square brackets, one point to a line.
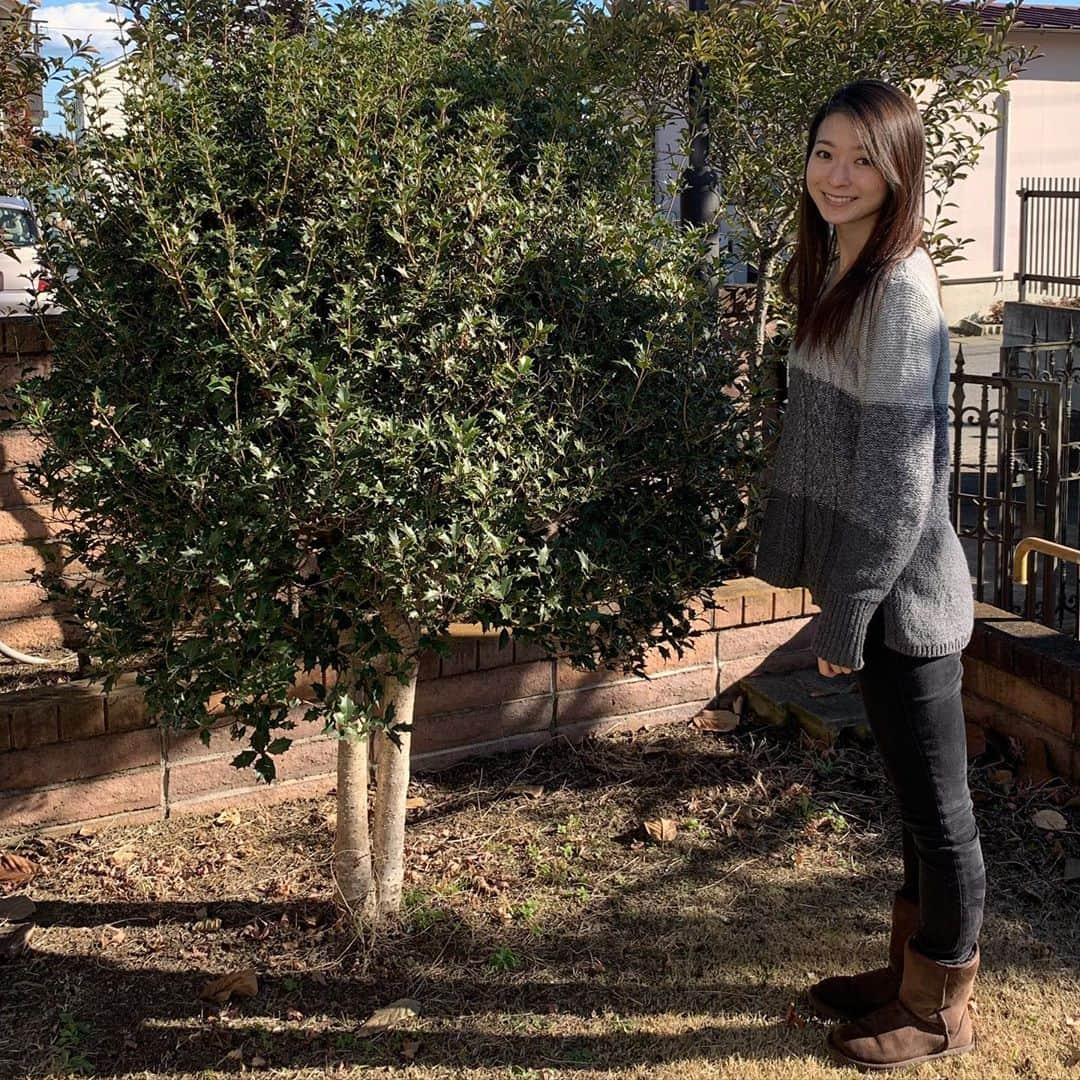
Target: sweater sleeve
[887, 499]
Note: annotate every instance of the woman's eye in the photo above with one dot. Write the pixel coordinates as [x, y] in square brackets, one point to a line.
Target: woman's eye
[823, 153]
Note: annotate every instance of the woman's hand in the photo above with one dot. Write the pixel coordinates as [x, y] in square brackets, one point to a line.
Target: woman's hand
[826, 668]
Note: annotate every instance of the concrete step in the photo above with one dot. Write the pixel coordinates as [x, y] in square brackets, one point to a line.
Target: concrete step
[821, 706]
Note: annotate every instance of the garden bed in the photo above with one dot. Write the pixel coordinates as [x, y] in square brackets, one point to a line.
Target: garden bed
[545, 934]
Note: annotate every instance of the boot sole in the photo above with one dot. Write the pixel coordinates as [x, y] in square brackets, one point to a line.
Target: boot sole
[865, 1066]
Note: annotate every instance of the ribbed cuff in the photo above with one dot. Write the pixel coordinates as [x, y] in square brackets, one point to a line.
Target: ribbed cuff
[840, 629]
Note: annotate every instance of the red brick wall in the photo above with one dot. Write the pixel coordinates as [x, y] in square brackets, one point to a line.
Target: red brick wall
[1022, 681]
[28, 620]
[72, 756]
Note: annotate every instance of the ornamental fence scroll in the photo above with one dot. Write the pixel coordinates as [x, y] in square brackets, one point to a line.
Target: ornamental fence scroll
[1016, 472]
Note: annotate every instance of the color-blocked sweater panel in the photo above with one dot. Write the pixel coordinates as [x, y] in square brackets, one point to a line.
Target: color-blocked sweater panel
[858, 510]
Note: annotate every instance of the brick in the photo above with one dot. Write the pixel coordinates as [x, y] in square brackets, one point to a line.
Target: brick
[259, 795]
[19, 601]
[1043, 749]
[39, 633]
[14, 492]
[976, 647]
[468, 727]
[82, 800]
[764, 638]
[434, 760]
[429, 665]
[730, 614]
[637, 695]
[526, 653]
[758, 608]
[90, 825]
[59, 763]
[19, 448]
[82, 713]
[491, 655]
[125, 709]
[304, 681]
[14, 369]
[698, 650]
[186, 745]
[34, 720]
[1018, 694]
[27, 523]
[189, 779]
[483, 688]
[976, 740]
[19, 561]
[462, 659]
[787, 603]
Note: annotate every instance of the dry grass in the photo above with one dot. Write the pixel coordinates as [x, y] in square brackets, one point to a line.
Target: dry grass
[542, 936]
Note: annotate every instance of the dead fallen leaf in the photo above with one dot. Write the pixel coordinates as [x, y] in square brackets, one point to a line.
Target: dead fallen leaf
[258, 1062]
[123, 857]
[409, 1048]
[207, 926]
[236, 984]
[662, 830]
[16, 908]
[417, 802]
[230, 816]
[235, 1054]
[1050, 820]
[15, 868]
[1004, 777]
[112, 935]
[390, 1016]
[716, 720]
[532, 791]
[793, 1019]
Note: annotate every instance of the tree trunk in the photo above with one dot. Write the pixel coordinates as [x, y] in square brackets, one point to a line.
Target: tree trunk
[765, 266]
[352, 846]
[392, 776]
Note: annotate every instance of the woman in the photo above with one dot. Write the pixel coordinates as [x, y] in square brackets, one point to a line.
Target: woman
[858, 513]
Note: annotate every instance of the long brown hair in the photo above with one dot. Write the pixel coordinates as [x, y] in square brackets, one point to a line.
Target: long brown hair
[890, 128]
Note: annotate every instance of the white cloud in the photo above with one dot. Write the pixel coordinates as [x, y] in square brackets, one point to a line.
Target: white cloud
[93, 22]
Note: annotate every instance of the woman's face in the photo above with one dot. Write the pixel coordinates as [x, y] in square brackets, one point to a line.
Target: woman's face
[842, 181]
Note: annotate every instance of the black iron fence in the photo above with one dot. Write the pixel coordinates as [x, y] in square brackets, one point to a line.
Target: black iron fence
[1016, 473]
[1050, 235]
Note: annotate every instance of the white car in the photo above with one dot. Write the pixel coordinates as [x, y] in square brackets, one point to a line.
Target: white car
[22, 287]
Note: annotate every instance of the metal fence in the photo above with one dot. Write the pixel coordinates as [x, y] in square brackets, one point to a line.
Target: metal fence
[1049, 235]
[1016, 473]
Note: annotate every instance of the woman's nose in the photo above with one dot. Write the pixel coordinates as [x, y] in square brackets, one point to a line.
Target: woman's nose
[840, 174]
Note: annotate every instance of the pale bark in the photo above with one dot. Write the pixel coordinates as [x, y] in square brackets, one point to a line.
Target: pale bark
[352, 846]
[392, 775]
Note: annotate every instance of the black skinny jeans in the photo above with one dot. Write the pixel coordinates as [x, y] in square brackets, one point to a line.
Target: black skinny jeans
[917, 717]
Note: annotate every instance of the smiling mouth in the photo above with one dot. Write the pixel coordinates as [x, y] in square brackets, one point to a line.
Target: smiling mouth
[838, 200]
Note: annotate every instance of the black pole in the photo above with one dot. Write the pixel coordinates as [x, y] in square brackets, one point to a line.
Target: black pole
[699, 199]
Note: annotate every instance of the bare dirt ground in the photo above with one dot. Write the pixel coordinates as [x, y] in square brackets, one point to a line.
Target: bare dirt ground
[545, 933]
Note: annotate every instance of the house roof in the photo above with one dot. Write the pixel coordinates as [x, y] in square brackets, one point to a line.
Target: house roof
[1031, 16]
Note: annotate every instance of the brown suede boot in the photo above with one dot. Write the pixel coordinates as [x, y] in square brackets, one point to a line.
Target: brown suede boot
[847, 997]
[929, 1019]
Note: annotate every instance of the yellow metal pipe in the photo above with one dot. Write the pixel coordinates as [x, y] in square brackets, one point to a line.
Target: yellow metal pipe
[1045, 547]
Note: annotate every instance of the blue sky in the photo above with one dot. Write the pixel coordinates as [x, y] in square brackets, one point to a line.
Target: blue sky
[89, 19]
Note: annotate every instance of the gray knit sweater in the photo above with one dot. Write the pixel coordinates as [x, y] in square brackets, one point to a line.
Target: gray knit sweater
[858, 512]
